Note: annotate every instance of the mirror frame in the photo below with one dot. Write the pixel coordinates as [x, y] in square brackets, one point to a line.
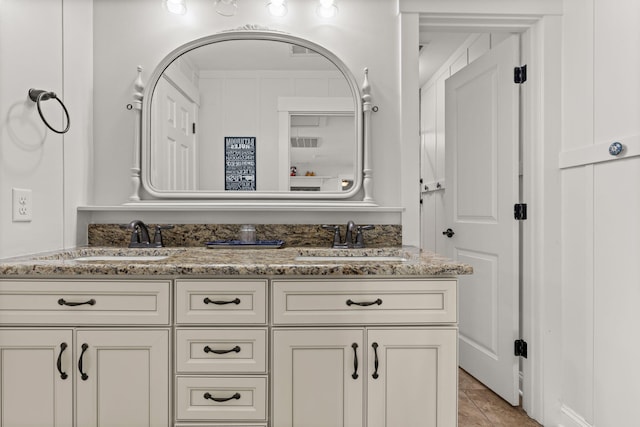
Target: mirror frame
[142, 103]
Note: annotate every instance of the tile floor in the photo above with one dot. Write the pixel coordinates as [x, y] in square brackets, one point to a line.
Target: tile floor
[480, 407]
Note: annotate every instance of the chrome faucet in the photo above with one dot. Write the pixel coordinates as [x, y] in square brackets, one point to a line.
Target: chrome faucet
[348, 237]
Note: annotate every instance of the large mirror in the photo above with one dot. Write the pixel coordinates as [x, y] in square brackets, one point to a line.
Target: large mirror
[252, 114]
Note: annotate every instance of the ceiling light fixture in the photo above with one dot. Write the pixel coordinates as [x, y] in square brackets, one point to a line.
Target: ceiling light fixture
[179, 7]
[226, 7]
[277, 7]
[327, 9]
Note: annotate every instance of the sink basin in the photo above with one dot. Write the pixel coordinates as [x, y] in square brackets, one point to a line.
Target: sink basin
[129, 258]
[373, 258]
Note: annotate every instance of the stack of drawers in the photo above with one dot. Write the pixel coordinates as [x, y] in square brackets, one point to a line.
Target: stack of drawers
[221, 352]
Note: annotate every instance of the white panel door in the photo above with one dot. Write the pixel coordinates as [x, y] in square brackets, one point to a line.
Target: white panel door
[412, 377]
[127, 378]
[318, 378]
[174, 146]
[33, 390]
[482, 166]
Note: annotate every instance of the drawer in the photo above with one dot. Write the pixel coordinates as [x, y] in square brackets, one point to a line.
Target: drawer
[85, 302]
[189, 424]
[372, 301]
[223, 302]
[241, 398]
[221, 350]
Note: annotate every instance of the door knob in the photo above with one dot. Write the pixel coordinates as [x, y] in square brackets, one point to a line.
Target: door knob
[448, 232]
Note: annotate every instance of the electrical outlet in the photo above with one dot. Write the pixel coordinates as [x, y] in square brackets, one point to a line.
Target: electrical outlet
[22, 205]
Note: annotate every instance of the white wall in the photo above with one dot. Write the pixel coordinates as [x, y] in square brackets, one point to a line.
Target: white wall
[37, 52]
[364, 34]
[601, 211]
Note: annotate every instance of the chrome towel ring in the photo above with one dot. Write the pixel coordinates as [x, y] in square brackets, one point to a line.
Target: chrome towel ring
[37, 95]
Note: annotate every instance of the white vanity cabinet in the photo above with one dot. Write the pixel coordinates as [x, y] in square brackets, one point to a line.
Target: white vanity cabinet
[365, 352]
[67, 352]
[31, 379]
[221, 352]
[306, 351]
[317, 377]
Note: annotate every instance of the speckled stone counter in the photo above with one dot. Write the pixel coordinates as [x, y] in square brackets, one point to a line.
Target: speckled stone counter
[196, 235]
[187, 262]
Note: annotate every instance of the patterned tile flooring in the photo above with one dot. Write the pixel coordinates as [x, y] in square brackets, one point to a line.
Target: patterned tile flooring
[480, 407]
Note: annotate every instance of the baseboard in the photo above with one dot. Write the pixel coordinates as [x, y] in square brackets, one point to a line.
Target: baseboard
[569, 418]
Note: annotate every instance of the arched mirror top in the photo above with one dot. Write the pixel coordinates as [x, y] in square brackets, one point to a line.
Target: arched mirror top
[252, 114]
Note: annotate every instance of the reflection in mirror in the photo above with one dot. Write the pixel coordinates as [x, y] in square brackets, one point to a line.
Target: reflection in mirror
[253, 116]
[320, 158]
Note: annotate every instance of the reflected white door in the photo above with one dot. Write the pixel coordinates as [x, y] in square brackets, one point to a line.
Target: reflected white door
[174, 146]
[482, 165]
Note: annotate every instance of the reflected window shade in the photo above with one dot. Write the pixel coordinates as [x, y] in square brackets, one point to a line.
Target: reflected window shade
[297, 121]
[302, 51]
[304, 142]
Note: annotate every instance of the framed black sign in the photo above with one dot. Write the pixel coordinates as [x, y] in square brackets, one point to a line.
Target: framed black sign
[240, 163]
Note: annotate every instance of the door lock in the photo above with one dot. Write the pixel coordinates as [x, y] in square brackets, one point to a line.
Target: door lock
[448, 232]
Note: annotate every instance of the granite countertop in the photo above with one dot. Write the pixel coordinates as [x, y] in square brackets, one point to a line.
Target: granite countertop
[199, 261]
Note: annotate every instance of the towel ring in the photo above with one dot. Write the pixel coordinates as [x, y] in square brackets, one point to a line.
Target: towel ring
[37, 95]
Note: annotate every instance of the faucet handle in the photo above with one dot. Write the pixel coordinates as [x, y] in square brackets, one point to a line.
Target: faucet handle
[360, 236]
[135, 237]
[336, 233]
[157, 237]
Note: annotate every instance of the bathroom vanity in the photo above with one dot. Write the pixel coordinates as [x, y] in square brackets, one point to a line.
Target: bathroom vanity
[199, 337]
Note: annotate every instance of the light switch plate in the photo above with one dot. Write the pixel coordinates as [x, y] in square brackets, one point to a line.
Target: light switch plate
[22, 205]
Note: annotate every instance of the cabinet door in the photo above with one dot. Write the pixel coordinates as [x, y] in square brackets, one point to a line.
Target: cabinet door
[317, 378]
[127, 377]
[30, 378]
[412, 377]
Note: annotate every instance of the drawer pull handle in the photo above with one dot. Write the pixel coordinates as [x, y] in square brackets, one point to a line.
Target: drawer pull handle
[208, 349]
[364, 304]
[83, 375]
[63, 347]
[355, 361]
[233, 301]
[375, 360]
[221, 399]
[61, 301]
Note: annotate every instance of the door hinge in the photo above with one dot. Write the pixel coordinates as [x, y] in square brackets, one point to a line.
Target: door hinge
[520, 74]
[520, 348]
[520, 211]
[193, 128]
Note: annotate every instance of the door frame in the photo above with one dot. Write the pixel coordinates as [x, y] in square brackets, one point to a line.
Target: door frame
[540, 25]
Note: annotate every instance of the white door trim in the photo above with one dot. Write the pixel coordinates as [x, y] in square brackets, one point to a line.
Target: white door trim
[541, 190]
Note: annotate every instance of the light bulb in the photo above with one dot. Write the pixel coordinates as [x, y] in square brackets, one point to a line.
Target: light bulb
[179, 7]
[277, 7]
[327, 9]
[226, 7]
